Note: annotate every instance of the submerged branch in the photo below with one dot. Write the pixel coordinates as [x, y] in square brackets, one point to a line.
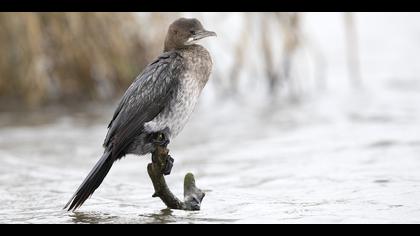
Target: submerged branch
[192, 195]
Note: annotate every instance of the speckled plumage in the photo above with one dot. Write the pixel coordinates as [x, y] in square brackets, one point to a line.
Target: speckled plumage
[160, 100]
[196, 64]
[174, 116]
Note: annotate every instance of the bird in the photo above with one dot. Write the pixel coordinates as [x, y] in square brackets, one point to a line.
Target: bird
[157, 105]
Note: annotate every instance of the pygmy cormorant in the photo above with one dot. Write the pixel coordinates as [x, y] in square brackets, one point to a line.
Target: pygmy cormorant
[157, 104]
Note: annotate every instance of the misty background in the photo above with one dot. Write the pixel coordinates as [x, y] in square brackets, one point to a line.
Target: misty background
[307, 117]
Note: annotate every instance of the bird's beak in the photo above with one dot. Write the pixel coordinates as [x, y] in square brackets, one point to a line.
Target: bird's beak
[200, 35]
[204, 34]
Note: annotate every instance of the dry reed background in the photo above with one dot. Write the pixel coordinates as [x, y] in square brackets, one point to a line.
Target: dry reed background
[69, 58]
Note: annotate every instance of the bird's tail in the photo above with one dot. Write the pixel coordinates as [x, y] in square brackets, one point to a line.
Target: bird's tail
[92, 181]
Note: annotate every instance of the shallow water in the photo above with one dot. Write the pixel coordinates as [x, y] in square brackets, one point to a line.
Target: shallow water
[340, 158]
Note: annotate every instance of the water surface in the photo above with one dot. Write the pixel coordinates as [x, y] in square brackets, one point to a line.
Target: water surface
[337, 158]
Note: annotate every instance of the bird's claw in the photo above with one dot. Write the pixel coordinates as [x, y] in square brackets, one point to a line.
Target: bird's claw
[168, 166]
[161, 140]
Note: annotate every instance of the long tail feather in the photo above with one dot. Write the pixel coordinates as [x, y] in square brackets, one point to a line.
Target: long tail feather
[92, 181]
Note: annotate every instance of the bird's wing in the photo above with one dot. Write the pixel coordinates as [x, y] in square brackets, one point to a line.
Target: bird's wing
[143, 100]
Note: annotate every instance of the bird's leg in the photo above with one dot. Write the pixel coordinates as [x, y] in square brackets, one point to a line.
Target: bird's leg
[160, 139]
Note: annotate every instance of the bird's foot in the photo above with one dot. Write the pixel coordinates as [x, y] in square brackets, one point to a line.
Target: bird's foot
[169, 165]
[160, 139]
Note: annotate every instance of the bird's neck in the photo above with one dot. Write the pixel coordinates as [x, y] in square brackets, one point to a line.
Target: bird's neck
[170, 45]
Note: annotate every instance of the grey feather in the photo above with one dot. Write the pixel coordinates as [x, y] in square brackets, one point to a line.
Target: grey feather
[143, 100]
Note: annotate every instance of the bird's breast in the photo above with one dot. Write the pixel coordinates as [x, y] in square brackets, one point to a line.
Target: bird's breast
[197, 66]
[179, 109]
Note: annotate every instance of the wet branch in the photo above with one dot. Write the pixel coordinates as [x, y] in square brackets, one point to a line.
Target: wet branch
[192, 195]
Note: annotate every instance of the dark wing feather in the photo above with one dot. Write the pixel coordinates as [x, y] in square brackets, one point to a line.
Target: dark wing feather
[143, 101]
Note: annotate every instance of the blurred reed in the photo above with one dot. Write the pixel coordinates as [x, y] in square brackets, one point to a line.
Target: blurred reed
[353, 58]
[67, 57]
[269, 45]
[78, 57]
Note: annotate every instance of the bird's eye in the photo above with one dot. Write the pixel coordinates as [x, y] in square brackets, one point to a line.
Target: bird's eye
[192, 32]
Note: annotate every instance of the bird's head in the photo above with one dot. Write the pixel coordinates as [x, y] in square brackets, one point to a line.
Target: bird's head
[184, 32]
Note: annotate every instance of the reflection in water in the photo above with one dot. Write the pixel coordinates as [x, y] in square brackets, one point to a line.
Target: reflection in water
[166, 216]
[91, 218]
[163, 217]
